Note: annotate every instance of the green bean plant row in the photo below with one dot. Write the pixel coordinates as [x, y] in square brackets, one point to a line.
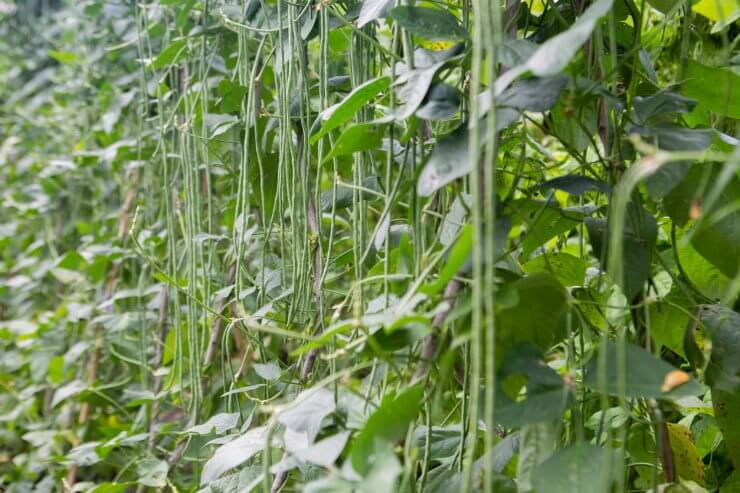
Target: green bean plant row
[369, 246]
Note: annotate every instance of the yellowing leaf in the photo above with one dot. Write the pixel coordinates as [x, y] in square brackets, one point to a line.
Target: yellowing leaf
[686, 458]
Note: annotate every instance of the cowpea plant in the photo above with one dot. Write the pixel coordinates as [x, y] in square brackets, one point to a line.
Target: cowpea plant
[369, 245]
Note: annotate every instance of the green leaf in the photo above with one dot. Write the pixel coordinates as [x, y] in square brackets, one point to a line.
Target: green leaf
[372, 10]
[444, 442]
[429, 23]
[537, 444]
[721, 326]
[65, 392]
[646, 107]
[152, 472]
[555, 53]
[537, 94]
[306, 411]
[539, 316]
[345, 194]
[232, 96]
[345, 110]
[575, 185]
[458, 256]
[234, 453]
[386, 425]
[173, 53]
[640, 234]
[449, 161]
[65, 57]
[362, 137]
[722, 12]
[568, 269]
[668, 320]
[582, 468]
[218, 423]
[716, 235]
[268, 371]
[715, 89]
[643, 374]
[543, 222]
[441, 103]
[324, 452]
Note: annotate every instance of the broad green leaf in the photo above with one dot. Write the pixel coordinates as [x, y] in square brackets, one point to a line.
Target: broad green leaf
[543, 222]
[732, 483]
[65, 57]
[719, 335]
[581, 468]
[575, 184]
[325, 452]
[449, 161]
[218, 424]
[707, 278]
[537, 444]
[362, 137]
[234, 453]
[152, 472]
[416, 87]
[717, 235]
[537, 318]
[458, 256]
[444, 442]
[641, 450]
[345, 194]
[639, 236]
[537, 408]
[268, 371]
[568, 269]
[232, 96]
[707, 435]
[546, 394]
[173, 53]
[646, 107]
[441, 103]
[715, 89]
[372, 10]
[85, 454]
[668, 320]
[345, 110]
[643, 374]
[307, 410]
[537, 94]
[555, 53]
[383, 472]
[723, 12]
[65, 392]
[183, 13]
[429, 23]
[721, 326]
[386, 425]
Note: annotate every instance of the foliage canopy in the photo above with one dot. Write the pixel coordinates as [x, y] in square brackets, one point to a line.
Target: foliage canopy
[369, 245]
